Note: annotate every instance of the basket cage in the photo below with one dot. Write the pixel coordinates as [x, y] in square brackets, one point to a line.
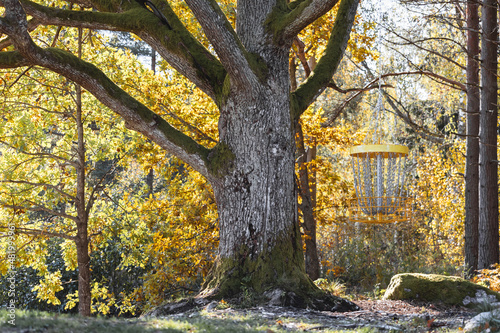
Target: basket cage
[379, 178]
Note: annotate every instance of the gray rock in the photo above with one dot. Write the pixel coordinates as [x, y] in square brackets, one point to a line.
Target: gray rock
[475, 324]
[450, 290]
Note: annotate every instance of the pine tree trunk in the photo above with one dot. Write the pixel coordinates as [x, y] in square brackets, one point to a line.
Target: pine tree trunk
[472, 157]
[488, 163]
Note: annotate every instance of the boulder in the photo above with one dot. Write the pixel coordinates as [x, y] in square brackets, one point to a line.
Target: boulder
[450, 290]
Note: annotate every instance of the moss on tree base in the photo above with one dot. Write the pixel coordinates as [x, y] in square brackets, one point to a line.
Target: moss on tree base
[275, 277]
[450, 290]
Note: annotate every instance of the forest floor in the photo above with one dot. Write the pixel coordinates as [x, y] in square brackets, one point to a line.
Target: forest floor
[374, 316]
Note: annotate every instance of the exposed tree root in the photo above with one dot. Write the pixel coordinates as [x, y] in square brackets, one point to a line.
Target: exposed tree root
[320, 301]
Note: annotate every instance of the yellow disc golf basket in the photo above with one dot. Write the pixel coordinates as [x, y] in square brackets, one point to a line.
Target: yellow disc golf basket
[379, 172]
[379, 177]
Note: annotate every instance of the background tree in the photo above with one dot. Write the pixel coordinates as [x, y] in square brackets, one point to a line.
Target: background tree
[416, 83]
[306, 49]
[488, 253]
[472, 160]
[463, 22]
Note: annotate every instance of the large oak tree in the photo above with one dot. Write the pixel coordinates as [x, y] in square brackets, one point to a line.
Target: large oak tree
[245, 72]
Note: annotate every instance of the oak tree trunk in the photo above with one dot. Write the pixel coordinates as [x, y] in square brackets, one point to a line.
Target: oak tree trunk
[259, 234]
[472, 132]
[260, 247]
[488, 162]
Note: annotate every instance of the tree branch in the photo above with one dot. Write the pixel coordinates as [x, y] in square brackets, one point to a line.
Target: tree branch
[38, 156]
[136, 115]
[192, 128]
[288, 24]
[440, 55]
[38, 232]
[172, 41]
[419, 130]
[12, 59]
[38, 208]
[32, 25]
[405, 116]
[317, 82]
[55, 188]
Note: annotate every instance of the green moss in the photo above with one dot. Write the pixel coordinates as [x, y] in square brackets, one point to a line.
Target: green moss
[226, 88]
[107, 5]
[295, 110]
[283, 15]
[433, 288]
[281, 266]
[220, 160]
[12, 59]
[258, 65]
[259, 68]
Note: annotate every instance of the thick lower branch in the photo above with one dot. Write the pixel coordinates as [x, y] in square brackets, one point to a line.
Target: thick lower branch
[171, 39]
[224, 39]
[136, 115]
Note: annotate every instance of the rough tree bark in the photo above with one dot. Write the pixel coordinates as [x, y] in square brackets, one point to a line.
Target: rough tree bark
[472, 156]
[488, 162]
[251, 169]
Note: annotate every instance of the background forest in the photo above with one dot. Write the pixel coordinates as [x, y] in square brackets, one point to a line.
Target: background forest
[152, 221]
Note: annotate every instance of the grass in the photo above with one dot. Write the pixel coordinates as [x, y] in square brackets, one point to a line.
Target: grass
[197, 321]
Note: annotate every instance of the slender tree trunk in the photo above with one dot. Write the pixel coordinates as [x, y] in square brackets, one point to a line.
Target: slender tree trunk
[307, 193]
[82, 242]
[472, 131]
[151, 174]
[488, 163]
[306, 184]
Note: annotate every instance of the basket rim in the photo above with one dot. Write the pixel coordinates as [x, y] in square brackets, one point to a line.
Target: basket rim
[372, 150]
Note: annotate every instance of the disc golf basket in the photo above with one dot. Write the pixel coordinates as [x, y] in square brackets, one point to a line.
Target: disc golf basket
[379, 170]
[379, 177]
[379, 174]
